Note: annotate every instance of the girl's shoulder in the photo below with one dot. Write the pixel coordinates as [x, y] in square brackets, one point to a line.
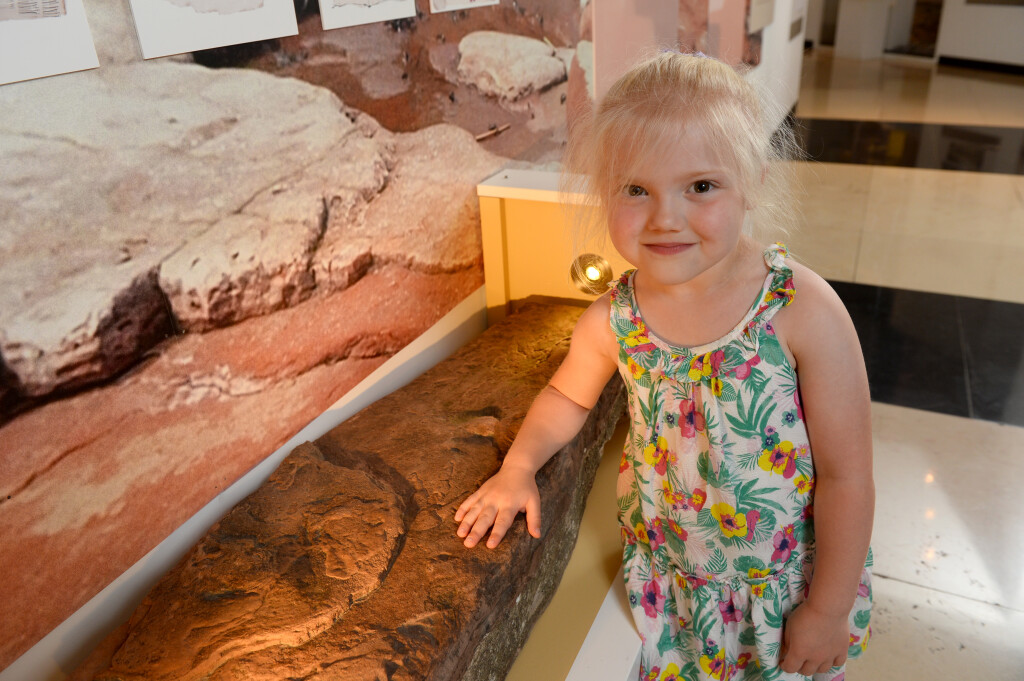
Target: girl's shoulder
[816, 318]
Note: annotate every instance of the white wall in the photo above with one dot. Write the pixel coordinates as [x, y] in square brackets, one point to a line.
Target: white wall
[901, 21]
[815, 17]
[992, 33]
[781, 57]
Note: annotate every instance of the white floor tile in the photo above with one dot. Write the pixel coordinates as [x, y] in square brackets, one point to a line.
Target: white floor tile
[919, 634]
[947, 491]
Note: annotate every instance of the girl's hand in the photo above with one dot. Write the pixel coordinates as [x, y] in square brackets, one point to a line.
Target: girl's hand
[813, 642]
[497, 503]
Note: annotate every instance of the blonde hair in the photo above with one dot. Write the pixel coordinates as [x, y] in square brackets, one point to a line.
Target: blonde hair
[655, 101]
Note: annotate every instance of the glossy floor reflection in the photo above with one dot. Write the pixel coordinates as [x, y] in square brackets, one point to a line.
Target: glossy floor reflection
[907, 90]
[948, 354]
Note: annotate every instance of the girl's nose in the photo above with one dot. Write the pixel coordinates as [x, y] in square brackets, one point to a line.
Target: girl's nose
[667, 216]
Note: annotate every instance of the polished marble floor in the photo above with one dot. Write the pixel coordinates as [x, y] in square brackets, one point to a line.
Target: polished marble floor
[914, 209]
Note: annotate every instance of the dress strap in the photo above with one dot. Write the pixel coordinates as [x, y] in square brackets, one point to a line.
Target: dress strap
[778, 290]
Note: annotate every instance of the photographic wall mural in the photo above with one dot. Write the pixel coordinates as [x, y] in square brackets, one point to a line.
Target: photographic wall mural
[202, 253]
[41, 38]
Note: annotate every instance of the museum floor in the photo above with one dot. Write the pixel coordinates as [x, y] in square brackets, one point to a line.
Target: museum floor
[930, 262]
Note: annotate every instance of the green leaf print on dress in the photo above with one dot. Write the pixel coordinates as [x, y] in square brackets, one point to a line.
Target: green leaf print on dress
[715, 492]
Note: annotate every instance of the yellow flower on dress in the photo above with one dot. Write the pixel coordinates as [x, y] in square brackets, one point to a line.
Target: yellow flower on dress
[733, 524]
[713, 666]
[635, 369]
[657, 454]
[641, 533]
[700, 366]
[716, 386]
[757, 589]
[671, 673]
[803, 484]
[754, 573]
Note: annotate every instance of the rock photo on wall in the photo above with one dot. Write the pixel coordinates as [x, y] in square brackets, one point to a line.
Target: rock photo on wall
[452, 5]
[31, 9]
[342, 13]
[167, 27]
[29, 29]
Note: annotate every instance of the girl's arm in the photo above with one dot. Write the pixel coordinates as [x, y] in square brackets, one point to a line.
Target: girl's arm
[837, 409]
[553, 420]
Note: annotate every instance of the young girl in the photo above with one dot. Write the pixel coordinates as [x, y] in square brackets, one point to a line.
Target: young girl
[745, 489]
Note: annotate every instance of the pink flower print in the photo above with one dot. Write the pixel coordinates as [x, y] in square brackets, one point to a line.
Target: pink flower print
[743, 371]
[698, 498]
[769, 328]
[655, 533]
[779, 459]
[627, 535]
[743, 660]
[729, 611]
[863, 590]
[717, 357]
[784, 541]
[653, 600]
[658, 455]
[799, 409]
[691, 418]
[652, 675]
[624, 462]
[677, 530]
[752, 518]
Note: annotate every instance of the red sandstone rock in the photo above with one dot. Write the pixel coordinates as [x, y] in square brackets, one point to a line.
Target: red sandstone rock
[267, 594]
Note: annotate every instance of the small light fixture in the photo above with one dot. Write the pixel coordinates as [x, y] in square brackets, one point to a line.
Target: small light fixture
[590, 273]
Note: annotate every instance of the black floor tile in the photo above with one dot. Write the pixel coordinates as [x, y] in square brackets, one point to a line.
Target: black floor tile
[994, 338]
[913, 145]
[912, 347]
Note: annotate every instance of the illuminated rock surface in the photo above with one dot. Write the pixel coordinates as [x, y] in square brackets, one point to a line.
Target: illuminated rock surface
[206, 211]
[507, 65]
[345, 564]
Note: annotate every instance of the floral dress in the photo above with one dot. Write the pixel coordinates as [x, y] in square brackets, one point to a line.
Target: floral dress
[715, 495]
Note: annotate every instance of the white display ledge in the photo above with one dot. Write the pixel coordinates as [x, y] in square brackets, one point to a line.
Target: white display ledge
[612, 647]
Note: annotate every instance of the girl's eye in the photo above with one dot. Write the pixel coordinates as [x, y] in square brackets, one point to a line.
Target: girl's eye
[635, 190]
[702, 186]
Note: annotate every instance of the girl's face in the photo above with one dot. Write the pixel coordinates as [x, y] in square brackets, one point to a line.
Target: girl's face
[681, 215]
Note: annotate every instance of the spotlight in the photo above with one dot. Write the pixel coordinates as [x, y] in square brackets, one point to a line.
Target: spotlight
[590, 273]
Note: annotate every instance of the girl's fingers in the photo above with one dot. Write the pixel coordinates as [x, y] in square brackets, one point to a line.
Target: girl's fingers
[501, 524]
[468, 519]
[466, 505]
[533, 516]
[480, 526]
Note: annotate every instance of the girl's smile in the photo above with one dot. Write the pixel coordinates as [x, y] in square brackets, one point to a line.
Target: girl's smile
[680, 214]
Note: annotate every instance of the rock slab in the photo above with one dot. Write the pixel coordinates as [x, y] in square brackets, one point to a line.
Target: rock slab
[345, 564]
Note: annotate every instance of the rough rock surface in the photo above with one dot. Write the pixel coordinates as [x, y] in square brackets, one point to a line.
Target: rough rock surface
[91, 482]
[307, 577]
[508, 66]
[208, 197]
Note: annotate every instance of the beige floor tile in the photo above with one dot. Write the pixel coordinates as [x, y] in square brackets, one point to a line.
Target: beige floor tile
[985, 208]
[946, 490]
[941, 265]
[833, 208]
